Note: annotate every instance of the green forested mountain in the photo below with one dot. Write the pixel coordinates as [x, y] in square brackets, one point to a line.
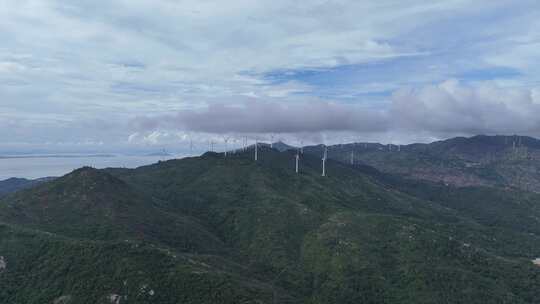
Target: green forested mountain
[215, 229]
[497, 161]
[14, 184]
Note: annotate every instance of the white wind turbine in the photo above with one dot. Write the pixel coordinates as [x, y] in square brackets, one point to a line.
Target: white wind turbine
[296, 158]
[226, 140]
[256, 150]
[325, 155]
[235, 149]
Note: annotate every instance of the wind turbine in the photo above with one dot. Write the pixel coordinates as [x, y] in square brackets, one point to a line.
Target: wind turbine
[256, 150]
[235, 149]
[324, 160]
[226, 140]
[297, 157]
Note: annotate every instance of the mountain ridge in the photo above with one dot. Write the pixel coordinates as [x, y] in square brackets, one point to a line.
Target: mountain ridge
[497, 161]
[14, 184]
[257, 232]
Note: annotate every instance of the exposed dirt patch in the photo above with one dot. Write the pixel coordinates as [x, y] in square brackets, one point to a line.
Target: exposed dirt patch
[62, 300]
[3, 264]
[114, 298]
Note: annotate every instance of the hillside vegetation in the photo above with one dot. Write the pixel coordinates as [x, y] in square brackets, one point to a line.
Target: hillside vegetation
[215, 229]
[497, 161]
[14, 184]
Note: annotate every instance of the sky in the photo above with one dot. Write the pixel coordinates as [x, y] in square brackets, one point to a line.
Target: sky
[133, 75]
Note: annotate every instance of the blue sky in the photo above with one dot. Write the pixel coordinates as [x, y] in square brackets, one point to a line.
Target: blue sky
[127, 75]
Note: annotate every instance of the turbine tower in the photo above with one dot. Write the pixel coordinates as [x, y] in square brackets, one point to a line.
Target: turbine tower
[256, 150]
[324, 161]
[226, 140]
[297, 157]
[235, 149]
[352, 157]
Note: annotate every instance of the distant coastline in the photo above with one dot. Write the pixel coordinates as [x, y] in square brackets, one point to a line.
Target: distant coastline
[56, 156]
[31, 166]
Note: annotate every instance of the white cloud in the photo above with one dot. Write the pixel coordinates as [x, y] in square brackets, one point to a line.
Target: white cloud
[450, 108]
[446, 109]
[65, 65]
[133, 137]
[11, 67]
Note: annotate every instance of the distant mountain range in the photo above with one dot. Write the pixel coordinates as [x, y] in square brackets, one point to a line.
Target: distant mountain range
[216, 229]
[279, 146]
[499, 161]
[55, 156]
[15, 184]
[162, 153]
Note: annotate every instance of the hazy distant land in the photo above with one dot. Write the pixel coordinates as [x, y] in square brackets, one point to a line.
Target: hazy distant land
[36, 166]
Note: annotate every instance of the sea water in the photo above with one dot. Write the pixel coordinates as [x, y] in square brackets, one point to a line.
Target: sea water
[57, 165]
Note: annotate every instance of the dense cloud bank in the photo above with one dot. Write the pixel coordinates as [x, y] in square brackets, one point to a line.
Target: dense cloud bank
[267, 117]
[446, 108]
